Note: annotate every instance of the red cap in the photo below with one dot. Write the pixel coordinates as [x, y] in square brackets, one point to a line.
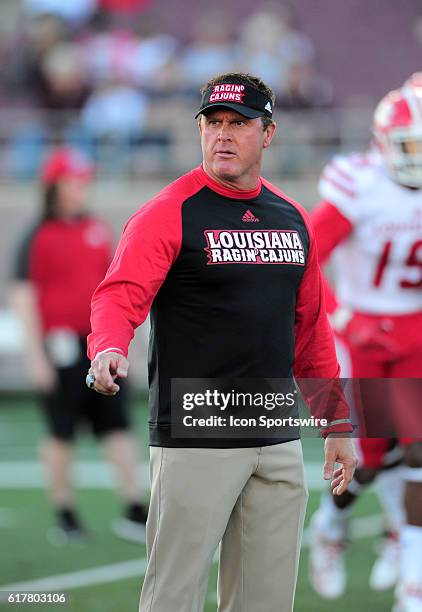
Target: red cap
[66, 163]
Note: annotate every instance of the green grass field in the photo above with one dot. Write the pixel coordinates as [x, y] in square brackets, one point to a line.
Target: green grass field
[25, 516]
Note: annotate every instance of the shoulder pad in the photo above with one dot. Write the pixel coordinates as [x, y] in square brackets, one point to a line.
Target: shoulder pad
[344, 181]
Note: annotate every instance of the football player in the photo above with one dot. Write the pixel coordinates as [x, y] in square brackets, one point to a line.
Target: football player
[369, 224]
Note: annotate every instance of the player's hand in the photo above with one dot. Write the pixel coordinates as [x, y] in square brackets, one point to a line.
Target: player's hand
[339, 450]
[106, 367]
[42, 374]
[361, 332]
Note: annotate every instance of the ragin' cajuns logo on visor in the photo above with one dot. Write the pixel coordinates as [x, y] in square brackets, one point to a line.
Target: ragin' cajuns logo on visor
[254, 247]
[227, 92]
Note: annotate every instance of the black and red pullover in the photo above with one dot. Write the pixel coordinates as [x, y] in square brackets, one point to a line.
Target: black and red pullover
[233, 285]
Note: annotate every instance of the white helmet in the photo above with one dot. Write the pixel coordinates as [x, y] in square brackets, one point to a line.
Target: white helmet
[397, 128]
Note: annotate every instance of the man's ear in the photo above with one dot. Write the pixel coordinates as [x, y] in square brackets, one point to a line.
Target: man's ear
[269, 133]
[200, 126]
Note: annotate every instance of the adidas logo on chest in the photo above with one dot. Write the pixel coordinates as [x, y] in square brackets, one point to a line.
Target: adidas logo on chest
[249, 217]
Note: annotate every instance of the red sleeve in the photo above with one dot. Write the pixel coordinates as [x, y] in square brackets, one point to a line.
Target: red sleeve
[149, 246]
[315, 356]
[331, 228]
[314, 353]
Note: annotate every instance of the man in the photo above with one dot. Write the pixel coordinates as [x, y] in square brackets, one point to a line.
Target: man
[369, 223]
[51, 291]
[221, 308]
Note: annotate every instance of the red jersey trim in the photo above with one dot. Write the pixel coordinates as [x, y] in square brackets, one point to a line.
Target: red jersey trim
[335, 166]
[339, 186]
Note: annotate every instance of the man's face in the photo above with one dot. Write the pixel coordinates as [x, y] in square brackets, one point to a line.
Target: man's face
[232, 145]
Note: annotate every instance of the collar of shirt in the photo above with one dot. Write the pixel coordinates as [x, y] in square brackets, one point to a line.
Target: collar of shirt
[226, 191]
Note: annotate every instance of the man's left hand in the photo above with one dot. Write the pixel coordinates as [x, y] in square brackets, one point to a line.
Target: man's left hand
[339, 449]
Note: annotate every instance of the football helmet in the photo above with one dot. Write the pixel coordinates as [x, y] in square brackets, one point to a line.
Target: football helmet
[397, 128]
[415, 80]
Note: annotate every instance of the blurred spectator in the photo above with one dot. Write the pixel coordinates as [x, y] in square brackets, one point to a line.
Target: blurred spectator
[305, 88]
[109, 52]
[47, 73]
[113, 122]
[23, 72]
[124, 7]
[138, 55]
[100, 79]
[211, 51]
[115, 110]
[417, 29]
[75, 12]
[154, 65]
[64, 77]
[259, 52]
[272, 46]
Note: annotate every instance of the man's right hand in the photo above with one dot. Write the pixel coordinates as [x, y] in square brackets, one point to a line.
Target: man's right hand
[106, 367]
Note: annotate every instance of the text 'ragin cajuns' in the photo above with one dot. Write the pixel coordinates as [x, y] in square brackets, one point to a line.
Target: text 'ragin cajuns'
[254, 247]
[228, 92]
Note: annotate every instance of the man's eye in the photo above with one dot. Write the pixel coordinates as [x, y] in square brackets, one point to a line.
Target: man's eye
[239, 123]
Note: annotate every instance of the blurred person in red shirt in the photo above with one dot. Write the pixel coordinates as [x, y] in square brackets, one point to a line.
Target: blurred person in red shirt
[59, 264]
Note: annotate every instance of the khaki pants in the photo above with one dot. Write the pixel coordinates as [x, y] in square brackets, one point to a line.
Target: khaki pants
[252, 500]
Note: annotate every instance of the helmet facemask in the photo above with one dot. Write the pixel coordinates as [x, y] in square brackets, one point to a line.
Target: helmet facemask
[398, 131]
[402, 150]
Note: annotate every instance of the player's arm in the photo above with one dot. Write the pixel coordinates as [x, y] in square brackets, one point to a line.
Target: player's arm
[316, 370]
[331, 228]
[146, 251]
[23, 298]
[334, 220]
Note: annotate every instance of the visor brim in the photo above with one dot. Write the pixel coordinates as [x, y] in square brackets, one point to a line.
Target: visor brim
[245, 111]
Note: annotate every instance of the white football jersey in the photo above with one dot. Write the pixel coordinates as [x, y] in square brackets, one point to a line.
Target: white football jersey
[378, 268]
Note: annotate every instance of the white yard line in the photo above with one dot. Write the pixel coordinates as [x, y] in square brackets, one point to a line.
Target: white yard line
[361, 528]
[87, 474]
[82, 578]
[98, 475]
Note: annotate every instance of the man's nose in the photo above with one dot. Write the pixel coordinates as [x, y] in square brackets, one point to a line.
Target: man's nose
[225, 132]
